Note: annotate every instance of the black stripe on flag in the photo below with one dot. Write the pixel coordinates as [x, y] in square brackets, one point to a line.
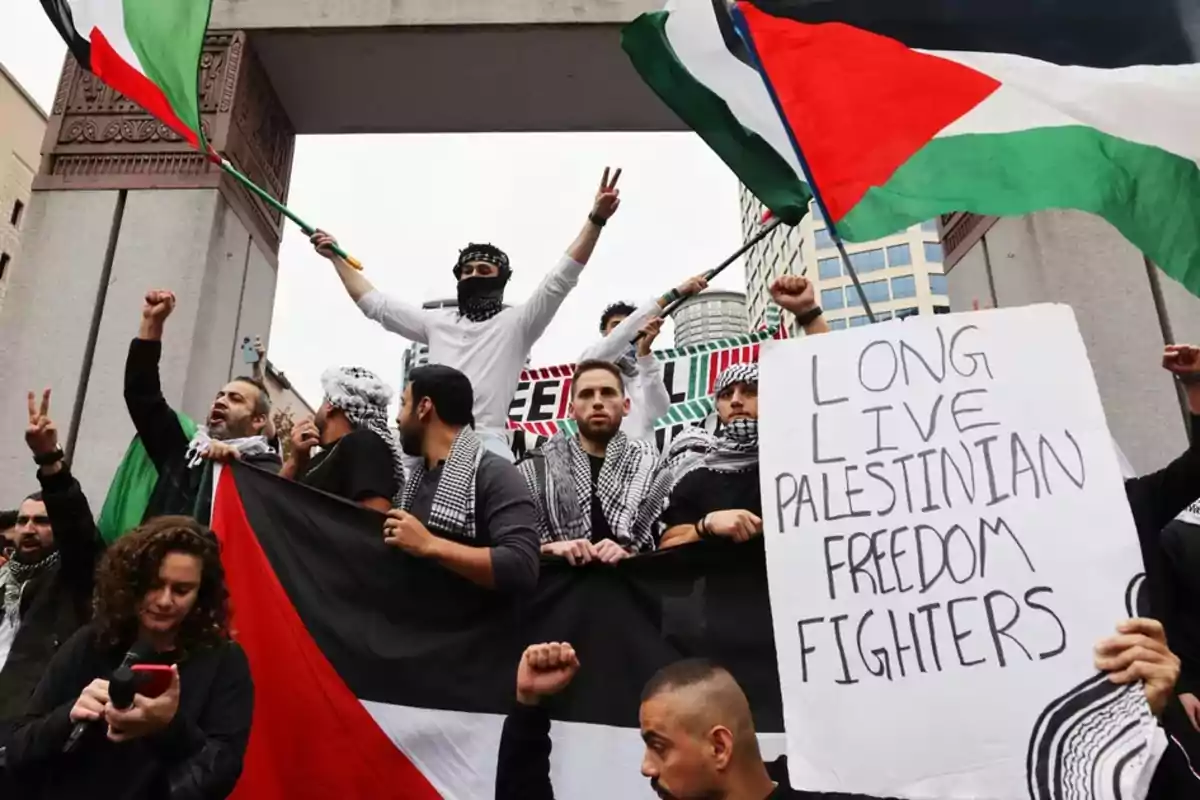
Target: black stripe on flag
[1092, 33]
[408, 633]
[59, 12]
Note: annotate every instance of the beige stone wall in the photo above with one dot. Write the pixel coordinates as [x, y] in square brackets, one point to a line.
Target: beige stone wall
[22, 124]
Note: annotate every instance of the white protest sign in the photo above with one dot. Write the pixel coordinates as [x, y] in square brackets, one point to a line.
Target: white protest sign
[947, 539]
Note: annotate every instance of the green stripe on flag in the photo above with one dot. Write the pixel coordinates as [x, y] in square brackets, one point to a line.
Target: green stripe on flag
[168, 38]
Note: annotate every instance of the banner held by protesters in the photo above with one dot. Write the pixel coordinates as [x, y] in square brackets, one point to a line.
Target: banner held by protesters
[930, 491]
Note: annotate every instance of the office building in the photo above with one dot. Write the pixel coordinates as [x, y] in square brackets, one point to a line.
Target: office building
[900, 274]
[710, 315]
[22, 125]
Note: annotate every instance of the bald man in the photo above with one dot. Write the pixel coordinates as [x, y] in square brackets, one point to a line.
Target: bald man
[699, 732]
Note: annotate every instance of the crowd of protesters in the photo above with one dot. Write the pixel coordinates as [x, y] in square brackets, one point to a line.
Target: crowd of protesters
[77, 610]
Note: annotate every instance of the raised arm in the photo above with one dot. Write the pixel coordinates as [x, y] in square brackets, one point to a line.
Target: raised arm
[543, 304]
[397, 317]
[797, 294]
[617, 341]
[155, 421]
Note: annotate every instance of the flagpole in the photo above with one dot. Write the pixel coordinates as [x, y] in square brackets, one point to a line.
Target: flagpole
[739, 22]
[266, 197]
[766, 231]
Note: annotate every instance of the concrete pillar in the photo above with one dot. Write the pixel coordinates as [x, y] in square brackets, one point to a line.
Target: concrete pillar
[122, 205]
[1078, 259]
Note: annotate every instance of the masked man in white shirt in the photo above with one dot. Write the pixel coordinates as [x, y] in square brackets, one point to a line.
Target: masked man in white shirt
[484, 339]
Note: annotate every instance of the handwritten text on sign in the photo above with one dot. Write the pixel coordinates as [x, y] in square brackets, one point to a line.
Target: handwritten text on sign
[930, 492]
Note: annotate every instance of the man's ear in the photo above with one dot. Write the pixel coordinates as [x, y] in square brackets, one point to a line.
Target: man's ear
[425, 409]
[626, 406]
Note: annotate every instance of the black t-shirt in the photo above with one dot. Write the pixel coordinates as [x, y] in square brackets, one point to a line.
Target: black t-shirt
[356, 467]
[600, 528]
[703, 491]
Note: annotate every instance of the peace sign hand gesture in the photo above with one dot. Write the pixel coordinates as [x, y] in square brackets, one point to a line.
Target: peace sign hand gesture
[41, 435]
[608, 198]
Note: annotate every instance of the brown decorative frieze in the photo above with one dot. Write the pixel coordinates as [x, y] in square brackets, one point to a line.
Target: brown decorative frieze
[98, 139]
[960, 231]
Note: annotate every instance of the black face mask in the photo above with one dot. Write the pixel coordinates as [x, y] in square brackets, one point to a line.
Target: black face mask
[481, 299]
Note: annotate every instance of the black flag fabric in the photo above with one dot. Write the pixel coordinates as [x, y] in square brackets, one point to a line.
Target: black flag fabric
[378, 675]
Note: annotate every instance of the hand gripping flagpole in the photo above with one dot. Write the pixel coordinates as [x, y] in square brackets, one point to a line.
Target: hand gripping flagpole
[743, 30]
[674, 305]
[266, 197]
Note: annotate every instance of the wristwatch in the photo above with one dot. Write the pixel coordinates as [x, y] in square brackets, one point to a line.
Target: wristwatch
[810, 316]
[53, 457]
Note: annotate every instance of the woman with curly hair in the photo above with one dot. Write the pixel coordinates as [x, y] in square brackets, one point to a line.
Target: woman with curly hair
[160, 591]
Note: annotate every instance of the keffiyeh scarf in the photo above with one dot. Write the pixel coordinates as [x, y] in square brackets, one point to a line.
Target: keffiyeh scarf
[363, 397]
[685, 453]
[453, 507]
[480, 299]
[246, 446]
[13, 577]
[563, 489]
[736, 447]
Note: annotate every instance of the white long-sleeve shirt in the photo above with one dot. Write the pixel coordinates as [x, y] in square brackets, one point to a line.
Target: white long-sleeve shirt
[648, 397]
[491, 353]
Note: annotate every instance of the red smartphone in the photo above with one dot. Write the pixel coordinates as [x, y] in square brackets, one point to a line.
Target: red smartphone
[151, 680]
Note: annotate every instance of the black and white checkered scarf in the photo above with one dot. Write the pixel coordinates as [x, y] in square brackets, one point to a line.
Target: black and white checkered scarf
[13, 577]
[453, 508]
[736, 446]
[480, 299]
[685, 453]
[363, 397]
[562, 489]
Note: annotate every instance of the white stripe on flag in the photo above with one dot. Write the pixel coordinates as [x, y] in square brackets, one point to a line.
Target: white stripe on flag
[109, 17]
[456, 751]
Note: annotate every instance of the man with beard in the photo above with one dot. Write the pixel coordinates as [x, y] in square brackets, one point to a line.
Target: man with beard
[46, 587]
[699, 731]
[464, 507]
[487, 341]
[234, 428]
[588, 487]
[720, 498]
[642, 373]
[359, 458]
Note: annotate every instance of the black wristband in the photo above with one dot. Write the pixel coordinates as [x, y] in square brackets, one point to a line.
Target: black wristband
[810, 316]
[46, 459]
[670, 297]
[702, 530]
[599, 222]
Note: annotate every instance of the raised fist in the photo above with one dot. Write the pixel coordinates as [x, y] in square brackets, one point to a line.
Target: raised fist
[158, 305]
[545, 669]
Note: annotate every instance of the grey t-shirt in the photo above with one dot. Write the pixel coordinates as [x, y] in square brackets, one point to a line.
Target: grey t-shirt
[505, 521]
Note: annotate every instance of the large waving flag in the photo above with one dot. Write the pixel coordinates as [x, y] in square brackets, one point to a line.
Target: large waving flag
[378, 675]
[907, 109]
[148, 50]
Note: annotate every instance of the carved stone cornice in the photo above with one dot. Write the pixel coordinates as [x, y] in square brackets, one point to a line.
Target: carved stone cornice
[98, 139]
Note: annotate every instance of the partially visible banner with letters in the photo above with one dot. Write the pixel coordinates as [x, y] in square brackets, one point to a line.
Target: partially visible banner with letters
[539, 407]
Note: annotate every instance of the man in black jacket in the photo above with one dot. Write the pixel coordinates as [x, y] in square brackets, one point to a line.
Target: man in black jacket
[47, 586]
[234, 428]
[700, 737]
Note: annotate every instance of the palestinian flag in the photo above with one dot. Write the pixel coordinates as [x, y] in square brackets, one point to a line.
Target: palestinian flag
[907, 109]
[378, 675]
[148, 50]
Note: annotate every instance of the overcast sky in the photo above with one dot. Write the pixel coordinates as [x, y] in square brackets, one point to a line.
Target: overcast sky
[405, 205]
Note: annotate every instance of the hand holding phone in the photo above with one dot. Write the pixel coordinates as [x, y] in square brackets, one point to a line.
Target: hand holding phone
[249, 351]
[151, 680]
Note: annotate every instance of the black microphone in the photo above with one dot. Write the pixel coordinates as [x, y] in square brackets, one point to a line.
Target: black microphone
[121, 687]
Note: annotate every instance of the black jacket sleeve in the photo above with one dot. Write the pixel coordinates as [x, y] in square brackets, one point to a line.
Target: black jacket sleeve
[506, 509]
[523, 766]
[75, 533]
[40, 734]
[204, 758]
[1157, 498]
[156, 423]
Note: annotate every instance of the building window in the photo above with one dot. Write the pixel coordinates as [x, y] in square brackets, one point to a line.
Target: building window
[815, 210]
[901, 313]
[837, 324]
[899, 255]
[903, 287]
[933, 252]
[929, 226]
[883, 316]
[876, 292]
[941, 309]
[829, 268]
[15, 217]
[823, 239]
[937, 284]
[832, 298]
[4, 259]
[858, 322]
[868, 261]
